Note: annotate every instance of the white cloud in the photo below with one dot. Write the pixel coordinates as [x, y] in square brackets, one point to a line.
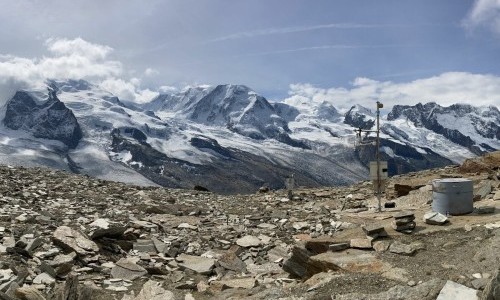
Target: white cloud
[151, 72]
[69, 59]
[128, 90]
[78, 46]
[484, 13]
[445, 89]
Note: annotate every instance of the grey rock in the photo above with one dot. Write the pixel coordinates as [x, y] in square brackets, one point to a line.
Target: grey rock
[404, 249]
[373, 229]
[484, 189]
[361, 243]
[111, 232]
[151, 290]
[453, 291]
[435, 218]
[127, 269]
[404, 227]
[43, 278]
[479, 283]
[73, 240]
[198, 264]
[248, 241]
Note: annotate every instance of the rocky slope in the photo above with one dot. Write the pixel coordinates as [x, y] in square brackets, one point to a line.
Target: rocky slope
[66, 236]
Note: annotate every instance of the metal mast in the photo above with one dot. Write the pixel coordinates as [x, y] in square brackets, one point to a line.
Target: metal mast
[379, 106]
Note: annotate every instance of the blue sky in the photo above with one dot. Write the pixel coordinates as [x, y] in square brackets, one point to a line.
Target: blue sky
[280, 48]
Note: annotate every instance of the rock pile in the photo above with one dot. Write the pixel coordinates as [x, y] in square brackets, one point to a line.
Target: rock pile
[404, 222]
[72, 237]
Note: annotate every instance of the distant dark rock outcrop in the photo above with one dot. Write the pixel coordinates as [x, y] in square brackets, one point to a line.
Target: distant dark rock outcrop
[49, 119]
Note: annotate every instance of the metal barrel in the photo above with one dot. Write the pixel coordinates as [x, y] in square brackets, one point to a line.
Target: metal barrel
[452, 196]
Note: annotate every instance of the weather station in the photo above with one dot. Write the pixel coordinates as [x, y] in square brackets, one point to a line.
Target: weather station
[378, 168]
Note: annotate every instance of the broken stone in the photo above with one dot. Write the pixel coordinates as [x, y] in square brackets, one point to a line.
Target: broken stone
[435, 218]
[43, 278]
[361, 243]
[373, 229]
[405, 215]
[63, 259]
[300, 225]
[198, 264]
[248, 241]
[73, 240]
[111, 232]
[453, 291]
[381, 246]
[151, 290]
[127, 269]
[404, 249]
[484, 189]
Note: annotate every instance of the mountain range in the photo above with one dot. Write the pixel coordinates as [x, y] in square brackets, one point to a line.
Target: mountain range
[229, 139]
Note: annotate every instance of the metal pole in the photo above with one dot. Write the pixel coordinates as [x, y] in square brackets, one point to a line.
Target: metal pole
[378, 157]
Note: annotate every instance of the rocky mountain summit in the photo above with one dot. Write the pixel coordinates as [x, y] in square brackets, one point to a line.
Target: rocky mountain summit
[67, 236]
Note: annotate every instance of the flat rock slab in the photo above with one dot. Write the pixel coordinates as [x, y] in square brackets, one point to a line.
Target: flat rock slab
[352, 261]
[435, 218]
[373, 229]
[71, 239]
[404, 214]
[151, 290]
[127, 269]
[361, 243]
[454, 291]
[248, 241]
[198, 264]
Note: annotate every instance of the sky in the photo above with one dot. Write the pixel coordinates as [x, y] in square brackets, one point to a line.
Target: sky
[342, 51]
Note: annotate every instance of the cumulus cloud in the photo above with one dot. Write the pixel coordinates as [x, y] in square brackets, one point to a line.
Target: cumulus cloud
[69, 59]
[484, 13]
[445, 89]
